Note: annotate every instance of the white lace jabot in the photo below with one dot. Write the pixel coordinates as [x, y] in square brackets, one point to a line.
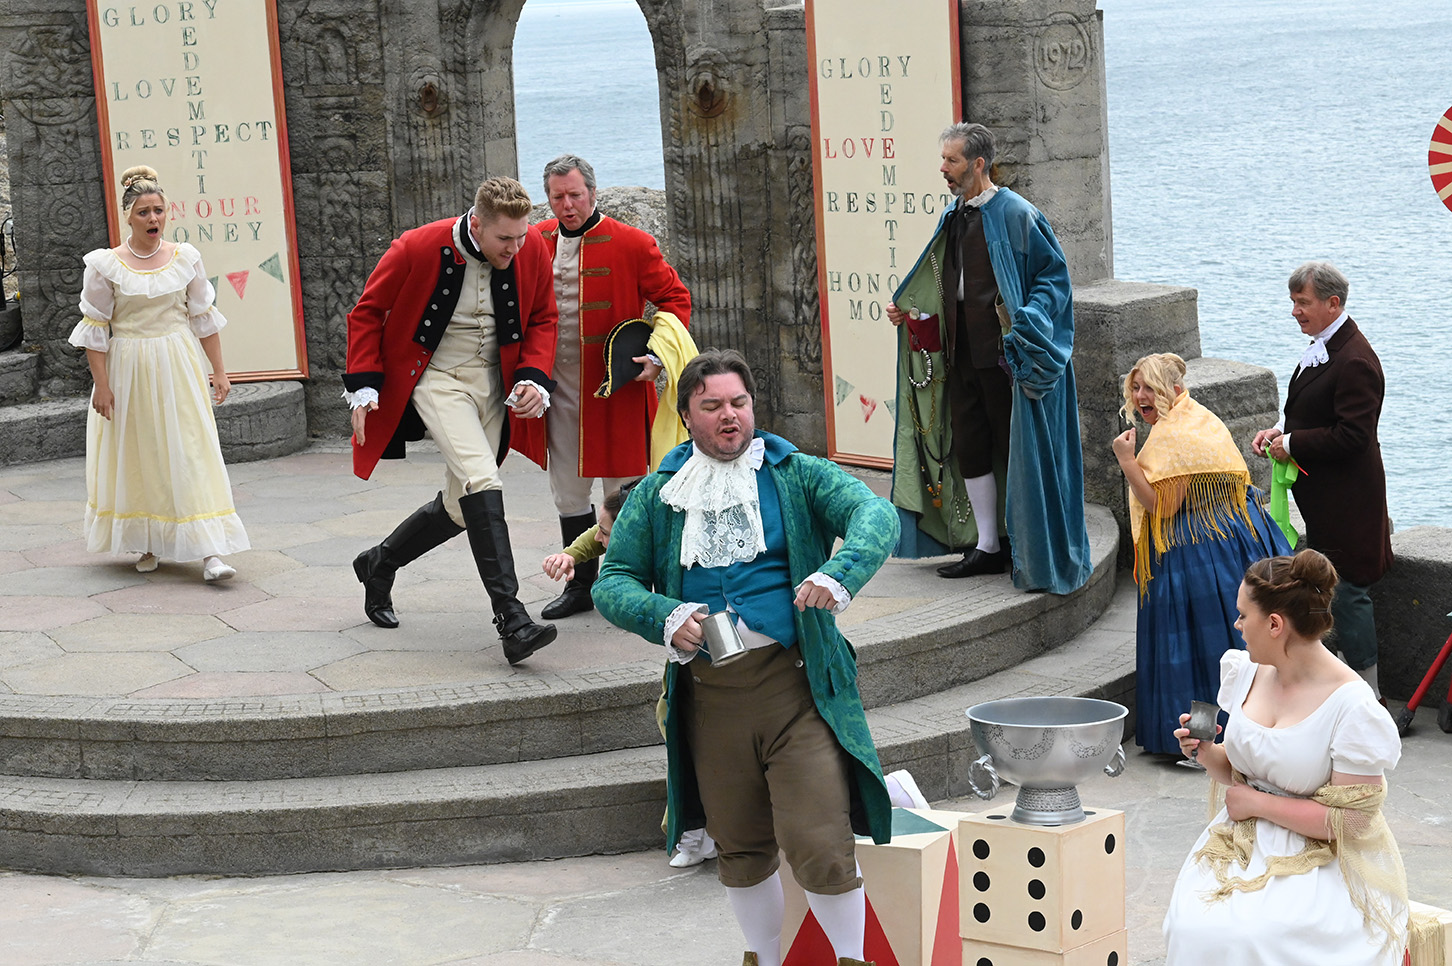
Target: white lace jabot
[1316, 353]
[723, 509]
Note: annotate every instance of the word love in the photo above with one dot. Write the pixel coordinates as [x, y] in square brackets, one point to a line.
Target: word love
[852, 147]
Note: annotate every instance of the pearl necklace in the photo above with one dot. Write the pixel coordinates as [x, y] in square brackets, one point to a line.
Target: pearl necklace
[138, 254]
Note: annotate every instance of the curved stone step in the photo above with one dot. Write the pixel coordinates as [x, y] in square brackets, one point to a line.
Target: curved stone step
[602, 803]
[908, 648]
[258, 420]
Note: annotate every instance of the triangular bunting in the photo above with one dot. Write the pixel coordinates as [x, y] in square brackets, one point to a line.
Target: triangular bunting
[273, 266]
[213, 281]
[239, 281]
[844, 389]
[869, 406]
[891, 405]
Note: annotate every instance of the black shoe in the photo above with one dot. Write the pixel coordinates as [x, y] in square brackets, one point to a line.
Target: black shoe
[489, 540]
[976, 563]
[576, 596]
[575, 600]
[426, 528]
[522, 636]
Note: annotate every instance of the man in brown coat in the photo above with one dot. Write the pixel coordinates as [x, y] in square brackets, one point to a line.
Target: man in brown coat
[1332, 407]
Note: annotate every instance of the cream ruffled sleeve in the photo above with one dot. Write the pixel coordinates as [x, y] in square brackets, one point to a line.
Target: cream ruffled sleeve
[202, 314]
[98, 299]
[1364, 741]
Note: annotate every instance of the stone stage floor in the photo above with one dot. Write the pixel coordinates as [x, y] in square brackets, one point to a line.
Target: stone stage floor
[77, 625]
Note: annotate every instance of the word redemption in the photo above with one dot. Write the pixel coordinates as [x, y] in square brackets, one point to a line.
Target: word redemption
[884, 82]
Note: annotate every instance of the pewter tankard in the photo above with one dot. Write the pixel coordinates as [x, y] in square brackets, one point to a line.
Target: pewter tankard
[723, 644]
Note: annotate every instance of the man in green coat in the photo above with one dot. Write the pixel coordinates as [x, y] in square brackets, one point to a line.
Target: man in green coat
[772, 749]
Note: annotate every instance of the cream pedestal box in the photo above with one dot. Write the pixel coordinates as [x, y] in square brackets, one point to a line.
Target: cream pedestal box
[1112, 950]
[1052, 888]
[1431, 940]
[912, 897]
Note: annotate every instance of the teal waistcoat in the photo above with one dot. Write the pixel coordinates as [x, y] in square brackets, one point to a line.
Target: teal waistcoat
[758, 590]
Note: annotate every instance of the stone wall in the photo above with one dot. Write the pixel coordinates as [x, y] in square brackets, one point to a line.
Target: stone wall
[1412, 605]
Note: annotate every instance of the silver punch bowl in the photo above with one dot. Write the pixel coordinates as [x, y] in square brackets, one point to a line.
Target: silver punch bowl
[1046, 746]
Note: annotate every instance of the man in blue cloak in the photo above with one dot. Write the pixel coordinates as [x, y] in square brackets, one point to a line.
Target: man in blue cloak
[988, 416]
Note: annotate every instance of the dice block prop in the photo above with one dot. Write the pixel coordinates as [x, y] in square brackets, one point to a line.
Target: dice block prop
[1431, 937]
[1112, 950]
[912, 897]
[1051, 888]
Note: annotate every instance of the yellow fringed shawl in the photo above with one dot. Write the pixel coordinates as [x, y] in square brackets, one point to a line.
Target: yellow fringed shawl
[1195, 467]
[1371, 863]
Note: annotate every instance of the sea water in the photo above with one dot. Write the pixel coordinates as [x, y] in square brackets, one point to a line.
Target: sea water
[1246, 136]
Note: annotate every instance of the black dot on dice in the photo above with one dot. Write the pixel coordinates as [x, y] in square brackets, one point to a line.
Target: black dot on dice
[997, 818]
[980, 848]
[1109, 845]
[1036, 921]
[980, 912]
[1036, 889]
[984, 961]
[980, 881]
[1087, 812]
[1113, 959]
[1035, 857]
[1077, 919]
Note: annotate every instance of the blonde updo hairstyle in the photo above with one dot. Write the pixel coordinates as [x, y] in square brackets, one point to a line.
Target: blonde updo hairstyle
[138, 181]
[1298, 588]
[1164, 372]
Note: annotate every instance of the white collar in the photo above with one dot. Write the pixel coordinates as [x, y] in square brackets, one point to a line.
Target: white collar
[1316, 353]
[722, 507]
[982, 198]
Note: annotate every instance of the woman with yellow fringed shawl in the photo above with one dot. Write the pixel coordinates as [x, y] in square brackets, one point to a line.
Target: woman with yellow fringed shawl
[1298, 868]
[1197, 523]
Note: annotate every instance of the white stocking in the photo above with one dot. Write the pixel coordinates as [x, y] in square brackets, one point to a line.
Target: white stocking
[759, 911]
[983, 498]
[1368, 674]
[844, 919]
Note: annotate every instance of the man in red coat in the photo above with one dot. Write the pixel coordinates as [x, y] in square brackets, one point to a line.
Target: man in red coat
[1332, 408]
[604, 273]
[455, 333]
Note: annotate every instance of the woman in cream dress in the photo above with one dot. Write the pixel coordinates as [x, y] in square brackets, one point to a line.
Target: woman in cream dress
[1299, 867]
[155, 480]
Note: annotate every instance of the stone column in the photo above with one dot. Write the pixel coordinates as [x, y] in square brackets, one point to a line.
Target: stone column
[1033, 72]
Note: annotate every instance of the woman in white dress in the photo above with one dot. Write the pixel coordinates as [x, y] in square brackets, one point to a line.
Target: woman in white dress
[155, 480]
[1299, 866]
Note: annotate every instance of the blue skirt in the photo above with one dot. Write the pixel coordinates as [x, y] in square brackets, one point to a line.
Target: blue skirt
[1187, 617]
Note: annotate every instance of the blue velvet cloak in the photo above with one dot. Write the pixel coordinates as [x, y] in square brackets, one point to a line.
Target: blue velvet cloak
[1042, 487]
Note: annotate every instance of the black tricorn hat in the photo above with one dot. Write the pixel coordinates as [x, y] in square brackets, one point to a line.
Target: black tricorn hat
[626, 341]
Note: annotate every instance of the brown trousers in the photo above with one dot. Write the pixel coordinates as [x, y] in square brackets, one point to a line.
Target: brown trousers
[772, 777]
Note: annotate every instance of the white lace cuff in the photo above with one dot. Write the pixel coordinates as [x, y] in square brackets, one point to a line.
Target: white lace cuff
[362, 397]
[542, 391]
[672, 624]
[839, 593]
[90, 333]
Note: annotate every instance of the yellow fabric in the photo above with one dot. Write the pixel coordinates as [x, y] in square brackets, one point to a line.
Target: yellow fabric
[673, 346]
[1195, 467]
[1371, 863]
[1430, 939]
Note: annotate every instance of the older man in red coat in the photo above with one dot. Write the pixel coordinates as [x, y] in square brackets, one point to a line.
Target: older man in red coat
[455, 333]
[604, 271]
[1333, 405]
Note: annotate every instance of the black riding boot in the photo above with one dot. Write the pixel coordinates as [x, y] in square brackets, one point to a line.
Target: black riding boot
[576, 596]
[425, 529]
[489, 539]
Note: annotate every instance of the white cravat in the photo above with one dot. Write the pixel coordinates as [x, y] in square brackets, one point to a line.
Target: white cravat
[1316, 353]
[723, 509]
